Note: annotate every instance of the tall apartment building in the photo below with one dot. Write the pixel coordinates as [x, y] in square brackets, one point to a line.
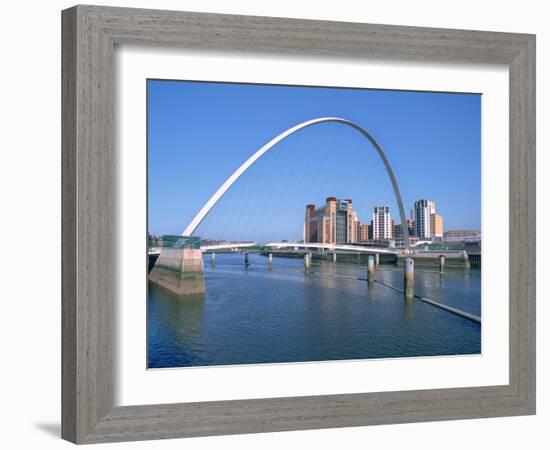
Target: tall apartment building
[334, 223]
[422, 216]
[381, 223]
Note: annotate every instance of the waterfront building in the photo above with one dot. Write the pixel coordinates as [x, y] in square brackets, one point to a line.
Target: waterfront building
[461, 235]
[422, 216]
[362, 232]
[410, 223]
[398, 229]
[399, 241]
[436, 226]
[381, 223]
[333, 223]
[410, 226]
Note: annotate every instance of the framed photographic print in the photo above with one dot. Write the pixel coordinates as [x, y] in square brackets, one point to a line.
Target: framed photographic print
[279, 224]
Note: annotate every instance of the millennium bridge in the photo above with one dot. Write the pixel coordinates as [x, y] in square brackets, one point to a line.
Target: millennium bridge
[179, 267]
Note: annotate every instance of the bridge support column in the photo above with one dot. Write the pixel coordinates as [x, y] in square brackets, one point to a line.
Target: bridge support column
[213, 258]
[377, 259]
[180, 267]
[466, 259]
[441, 264]
[334, 257]
[409, 277]
[270, 260]
[370, 269]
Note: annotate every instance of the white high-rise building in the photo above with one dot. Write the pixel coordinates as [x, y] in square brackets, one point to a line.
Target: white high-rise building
[381, 223]
[422, 216]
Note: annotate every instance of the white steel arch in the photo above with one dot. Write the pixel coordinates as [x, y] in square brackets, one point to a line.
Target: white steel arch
[246, 165]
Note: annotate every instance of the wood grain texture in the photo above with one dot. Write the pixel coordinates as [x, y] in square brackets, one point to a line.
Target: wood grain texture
[68, 226]
[89, 36]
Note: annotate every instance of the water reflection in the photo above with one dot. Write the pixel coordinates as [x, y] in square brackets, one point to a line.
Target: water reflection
[257, 315]
[409, 308]
[182, 319]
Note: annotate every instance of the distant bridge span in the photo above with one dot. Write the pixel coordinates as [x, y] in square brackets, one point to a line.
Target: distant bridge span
[228, 246]
[300, 245]
[332, 247]
[246, 165]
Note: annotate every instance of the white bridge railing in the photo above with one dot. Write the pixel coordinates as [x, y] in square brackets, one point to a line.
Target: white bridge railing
[291, 245]
[331, 247]
[227, 246]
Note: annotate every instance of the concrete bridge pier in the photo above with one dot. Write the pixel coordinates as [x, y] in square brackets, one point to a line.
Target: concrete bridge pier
[334, 257]
[409, 278]
[270, 261]
[179, 267]
[370, 269]
[213, 258]
[466, 259]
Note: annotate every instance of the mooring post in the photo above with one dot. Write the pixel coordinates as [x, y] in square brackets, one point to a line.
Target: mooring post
[377, 259]
[409, 277]
[370, 269]
[334, 257]
[270, 260]
[441, 264]
[213, 258]
[246, 263]
[306, 260]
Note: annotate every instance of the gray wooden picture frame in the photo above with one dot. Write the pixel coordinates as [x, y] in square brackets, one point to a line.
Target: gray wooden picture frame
[90, 34]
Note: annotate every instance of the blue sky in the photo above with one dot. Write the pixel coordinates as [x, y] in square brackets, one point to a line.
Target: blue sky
[199, 133]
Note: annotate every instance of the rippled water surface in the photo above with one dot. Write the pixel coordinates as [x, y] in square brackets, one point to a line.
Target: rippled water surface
[255, 315]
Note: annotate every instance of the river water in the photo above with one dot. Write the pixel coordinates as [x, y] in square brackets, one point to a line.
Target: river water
[255, 315]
